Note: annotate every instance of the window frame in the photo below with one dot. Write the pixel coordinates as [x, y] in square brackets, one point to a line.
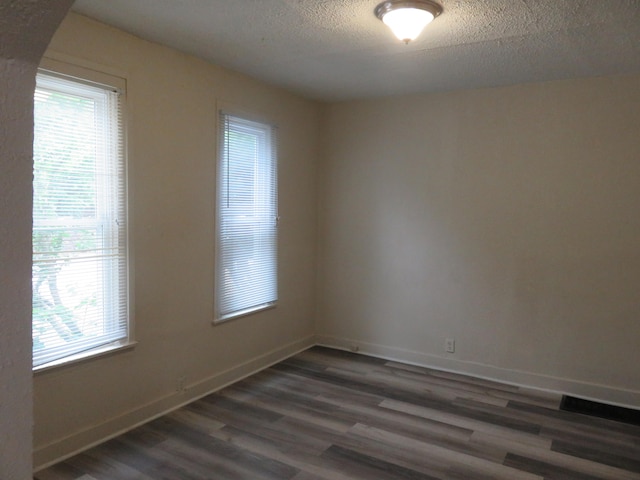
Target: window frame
[81, 72]
[272, 143]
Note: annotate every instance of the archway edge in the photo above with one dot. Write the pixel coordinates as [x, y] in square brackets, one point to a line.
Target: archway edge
[26, 28]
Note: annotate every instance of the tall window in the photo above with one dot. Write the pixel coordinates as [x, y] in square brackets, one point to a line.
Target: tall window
[79, 219]
[247, 207]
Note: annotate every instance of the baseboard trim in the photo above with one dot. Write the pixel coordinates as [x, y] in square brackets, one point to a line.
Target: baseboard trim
[561, 386]
[46, 455]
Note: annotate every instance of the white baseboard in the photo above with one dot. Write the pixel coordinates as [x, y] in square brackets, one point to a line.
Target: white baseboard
[52, 453]
[589, 391]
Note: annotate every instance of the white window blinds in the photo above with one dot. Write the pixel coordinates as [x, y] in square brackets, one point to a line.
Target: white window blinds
[79, 219]
[247, 207]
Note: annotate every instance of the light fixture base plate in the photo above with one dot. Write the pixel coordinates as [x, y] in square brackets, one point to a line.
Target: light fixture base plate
[385, 7]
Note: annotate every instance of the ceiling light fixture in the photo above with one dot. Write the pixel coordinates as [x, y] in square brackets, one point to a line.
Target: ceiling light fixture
[407, 18]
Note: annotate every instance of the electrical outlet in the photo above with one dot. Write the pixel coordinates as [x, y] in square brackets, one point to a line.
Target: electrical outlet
[449, 345]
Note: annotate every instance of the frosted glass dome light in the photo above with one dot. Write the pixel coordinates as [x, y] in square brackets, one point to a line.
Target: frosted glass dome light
[407, 19]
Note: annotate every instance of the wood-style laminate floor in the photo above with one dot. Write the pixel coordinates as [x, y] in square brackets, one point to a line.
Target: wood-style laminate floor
[327, 414]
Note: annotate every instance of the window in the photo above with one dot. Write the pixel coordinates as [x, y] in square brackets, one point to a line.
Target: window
[247, 217]
[79, 219]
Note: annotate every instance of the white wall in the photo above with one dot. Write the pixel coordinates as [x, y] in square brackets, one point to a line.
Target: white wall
[25, 29]
[172, 118]
[505, 218]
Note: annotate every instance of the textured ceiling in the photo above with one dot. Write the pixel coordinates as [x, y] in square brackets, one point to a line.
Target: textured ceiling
[338, 49]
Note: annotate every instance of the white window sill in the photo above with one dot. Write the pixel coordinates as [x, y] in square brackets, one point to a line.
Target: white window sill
[98, 352]
[245, 313]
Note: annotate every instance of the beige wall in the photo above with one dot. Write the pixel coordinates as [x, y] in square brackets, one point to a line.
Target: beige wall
[504, 218]
[172, 102]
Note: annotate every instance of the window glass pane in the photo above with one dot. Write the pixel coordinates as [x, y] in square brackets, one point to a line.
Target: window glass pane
[79, 222]
[247, 218]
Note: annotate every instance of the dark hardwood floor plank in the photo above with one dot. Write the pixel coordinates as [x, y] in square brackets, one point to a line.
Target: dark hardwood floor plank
[332, 415]
[595, 440]
[406, 424]
[308, 476]
[343, 360]
[430, 452]
[493, 391]
[311, 387]
[368, 466]
[598, 455]
[111, 460]
[446, 417]
[421, 385]
[557, 459]
[393, 453]
[280, 436]
[243, 409]
[62, 471]
[201, 464]
[453, 438]
[411, 397]
[195, 420]
[296, 406]
[211, 447]
[548, 471]
[456, 380]
[160, 460]
[294, 455]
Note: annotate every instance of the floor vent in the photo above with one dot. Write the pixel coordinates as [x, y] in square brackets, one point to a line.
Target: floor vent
[602, 410]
